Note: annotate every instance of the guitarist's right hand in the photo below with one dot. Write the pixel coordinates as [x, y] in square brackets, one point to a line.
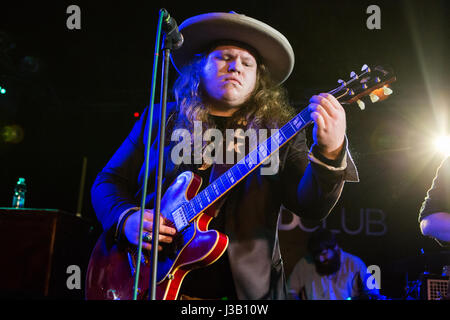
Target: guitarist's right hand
[131, 229]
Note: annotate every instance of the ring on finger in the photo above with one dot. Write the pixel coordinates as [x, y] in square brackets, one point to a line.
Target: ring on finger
[147, 237]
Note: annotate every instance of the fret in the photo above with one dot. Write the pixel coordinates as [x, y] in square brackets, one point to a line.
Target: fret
[208, 195]
[190, 210]
[242, 168]
[224, 180]
[185, 207]
[203, 200]
[236, 172]
[288, 130]
[298, 121]
[215, 188]
[198, 206]
[305, 115]
[204, 197]
[278, 138]
[253, 157]
[194, 207]
[220, 185]
[247, 162]
[272, 144]
[230, 176]
[262, 151]
[200, 200]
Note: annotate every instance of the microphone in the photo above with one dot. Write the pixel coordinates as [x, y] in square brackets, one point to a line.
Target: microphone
[171, 28]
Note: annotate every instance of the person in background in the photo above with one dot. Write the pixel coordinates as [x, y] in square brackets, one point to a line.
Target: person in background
[434, 215]
[329, 273]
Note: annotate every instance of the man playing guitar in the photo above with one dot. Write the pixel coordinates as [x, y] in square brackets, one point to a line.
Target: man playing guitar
[231, 69]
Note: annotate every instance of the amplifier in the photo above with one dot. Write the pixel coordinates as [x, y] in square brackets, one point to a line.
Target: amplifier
[41, 249]
[434, 287]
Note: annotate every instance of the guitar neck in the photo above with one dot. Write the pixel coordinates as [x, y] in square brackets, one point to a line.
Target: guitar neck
[219, 187]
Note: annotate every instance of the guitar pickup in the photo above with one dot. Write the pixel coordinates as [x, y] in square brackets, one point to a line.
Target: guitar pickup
[180, 220]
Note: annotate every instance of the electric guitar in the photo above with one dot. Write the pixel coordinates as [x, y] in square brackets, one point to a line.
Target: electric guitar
[112, 265]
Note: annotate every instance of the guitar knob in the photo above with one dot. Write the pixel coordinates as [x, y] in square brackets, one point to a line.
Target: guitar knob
[373, 97]
[353, 75]
[387, 91]
[365, 68]
[361, 104]
[342, 82]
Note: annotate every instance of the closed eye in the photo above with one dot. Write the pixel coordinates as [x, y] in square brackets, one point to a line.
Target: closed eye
[225, 57]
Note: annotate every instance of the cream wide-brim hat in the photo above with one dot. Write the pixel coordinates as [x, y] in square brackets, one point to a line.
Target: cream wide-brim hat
[200, 32]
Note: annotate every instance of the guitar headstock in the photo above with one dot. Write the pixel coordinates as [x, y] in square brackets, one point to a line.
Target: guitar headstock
[371, 82]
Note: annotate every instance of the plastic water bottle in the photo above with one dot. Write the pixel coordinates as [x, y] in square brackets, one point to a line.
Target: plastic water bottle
[19, 194]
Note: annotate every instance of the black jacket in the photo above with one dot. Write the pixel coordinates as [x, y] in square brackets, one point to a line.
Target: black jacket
[308, 189]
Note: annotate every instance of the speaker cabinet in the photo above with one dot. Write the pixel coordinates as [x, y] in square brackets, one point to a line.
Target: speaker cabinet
[45, 253]
[434, 287]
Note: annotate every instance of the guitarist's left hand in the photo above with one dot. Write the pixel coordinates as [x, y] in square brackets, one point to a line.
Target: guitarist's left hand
[329, 124]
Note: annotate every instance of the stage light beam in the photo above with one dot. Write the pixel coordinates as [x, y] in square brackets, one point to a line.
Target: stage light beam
[442, 144]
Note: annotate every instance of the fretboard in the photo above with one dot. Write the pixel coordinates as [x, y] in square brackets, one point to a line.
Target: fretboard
[190, 210]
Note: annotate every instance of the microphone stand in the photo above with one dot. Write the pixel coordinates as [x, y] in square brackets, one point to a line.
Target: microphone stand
[147, 156]
[168, 44]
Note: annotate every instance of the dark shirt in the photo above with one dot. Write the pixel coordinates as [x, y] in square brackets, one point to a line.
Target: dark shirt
[214, 281]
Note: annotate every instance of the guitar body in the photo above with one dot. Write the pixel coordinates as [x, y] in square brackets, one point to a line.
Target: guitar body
[111, 270]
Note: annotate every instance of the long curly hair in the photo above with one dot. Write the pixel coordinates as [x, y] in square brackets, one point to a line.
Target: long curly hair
[268, 106]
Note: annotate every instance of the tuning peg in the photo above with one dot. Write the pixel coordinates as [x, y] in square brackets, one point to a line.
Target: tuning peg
[365, 68]
[373, 97]
[353, 75]
[342, 82]
[361, 104]
[387, 91]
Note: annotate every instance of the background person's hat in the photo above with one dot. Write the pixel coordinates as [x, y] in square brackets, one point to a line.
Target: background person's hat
[200, 32]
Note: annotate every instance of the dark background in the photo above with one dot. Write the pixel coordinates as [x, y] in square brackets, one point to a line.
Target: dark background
[74, 94]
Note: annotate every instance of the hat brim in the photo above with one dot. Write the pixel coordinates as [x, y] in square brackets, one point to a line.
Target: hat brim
[200, 32]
